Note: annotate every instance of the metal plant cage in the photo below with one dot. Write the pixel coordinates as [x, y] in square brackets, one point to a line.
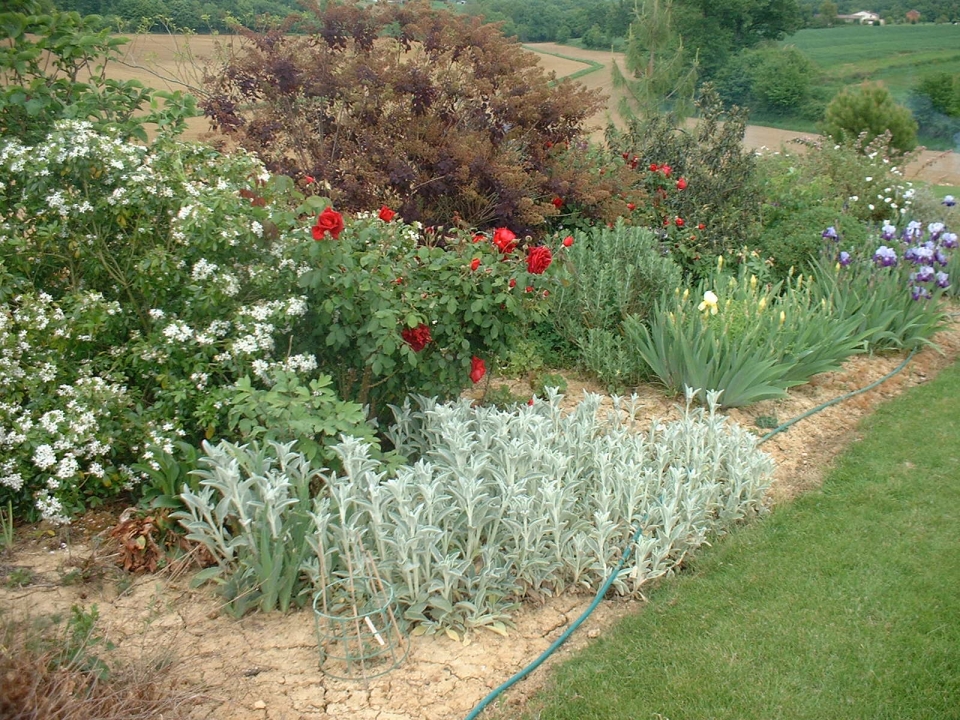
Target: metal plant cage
[358, 634]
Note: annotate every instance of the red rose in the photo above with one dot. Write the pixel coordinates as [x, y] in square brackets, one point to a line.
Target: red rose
[679, 222]
[568, 241]
[417, 337]
[557, 202]
[386, 214]
[539, 259]
[529, 289]
[625, 156]
[631, 207]
[654, 167]
[513, 282]
[701, 226]
[504, 239]
[475, 264]
[666, 170]
[330, 221]
[477, 369]
[479, 237]
[682, 184]
[308, 179]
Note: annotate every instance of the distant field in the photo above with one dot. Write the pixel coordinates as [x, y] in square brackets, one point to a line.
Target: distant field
[897, 55]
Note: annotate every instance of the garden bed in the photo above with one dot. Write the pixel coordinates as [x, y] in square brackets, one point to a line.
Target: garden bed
[265, 665]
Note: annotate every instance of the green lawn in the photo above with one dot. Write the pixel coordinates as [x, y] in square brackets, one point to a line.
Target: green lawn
[842, 605]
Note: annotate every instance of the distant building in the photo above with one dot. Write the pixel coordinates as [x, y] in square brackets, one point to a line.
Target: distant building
[913, 16]
[864, 17]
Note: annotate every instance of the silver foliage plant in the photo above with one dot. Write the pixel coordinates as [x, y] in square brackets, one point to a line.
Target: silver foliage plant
[497, 506]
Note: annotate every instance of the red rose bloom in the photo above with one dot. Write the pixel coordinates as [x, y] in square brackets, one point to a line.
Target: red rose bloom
[386, 214]
[479, 237]
[679, 222]
[539, 259]
[701, 226]
[654, 167]
[557, 202]
[682, 184]
[504, 239]
[417, 337]
[477, 369]
[513, 282]
[631, 207]
[568, 241]
[666, 170]
[475, 264]
[330, 221]
[308, 179]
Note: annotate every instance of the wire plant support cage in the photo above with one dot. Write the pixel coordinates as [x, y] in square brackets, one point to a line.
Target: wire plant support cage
[358, 634]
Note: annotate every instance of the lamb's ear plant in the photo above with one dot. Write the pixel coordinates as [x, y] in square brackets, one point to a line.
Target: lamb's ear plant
[253, 513]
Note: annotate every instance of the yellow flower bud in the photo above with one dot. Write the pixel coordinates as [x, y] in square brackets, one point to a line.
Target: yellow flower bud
[799, 281]
[837, 267]
[720, 262]
[686, 294]
[753, 282]
[762, 304]
[783, 317]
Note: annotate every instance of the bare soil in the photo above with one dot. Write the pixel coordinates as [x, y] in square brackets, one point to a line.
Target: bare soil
[266, 666]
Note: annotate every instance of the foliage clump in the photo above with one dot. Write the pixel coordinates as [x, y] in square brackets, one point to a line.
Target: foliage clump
[866, 112]
[437, 115]
[492, 507]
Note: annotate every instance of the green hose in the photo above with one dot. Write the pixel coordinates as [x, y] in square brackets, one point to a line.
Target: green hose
[628, 550]
[836, 400]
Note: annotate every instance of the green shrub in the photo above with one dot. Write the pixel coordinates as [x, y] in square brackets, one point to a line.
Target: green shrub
[866, 112]
[719, 205]
[394, 312]
[52, 68]
[141, 283]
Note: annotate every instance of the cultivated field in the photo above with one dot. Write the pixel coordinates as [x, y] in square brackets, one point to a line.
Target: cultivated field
[897, 55]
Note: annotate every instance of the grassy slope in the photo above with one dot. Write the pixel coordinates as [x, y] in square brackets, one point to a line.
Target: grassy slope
[898, 55]
[841, 605]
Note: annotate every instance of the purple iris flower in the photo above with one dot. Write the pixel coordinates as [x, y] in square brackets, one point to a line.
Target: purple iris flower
[888, 232]
[910, 254]
[939, 257]
[924, 255]
[885, 257]
[830, 234]
[949, 240]
[935, 229]
[943, 280]
[914, 230]
[949, 201]
[844, 258]
[919, 292]
[924, 274]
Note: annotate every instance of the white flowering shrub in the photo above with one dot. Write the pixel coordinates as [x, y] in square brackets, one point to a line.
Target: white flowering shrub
[139, 285]
[494, 506]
